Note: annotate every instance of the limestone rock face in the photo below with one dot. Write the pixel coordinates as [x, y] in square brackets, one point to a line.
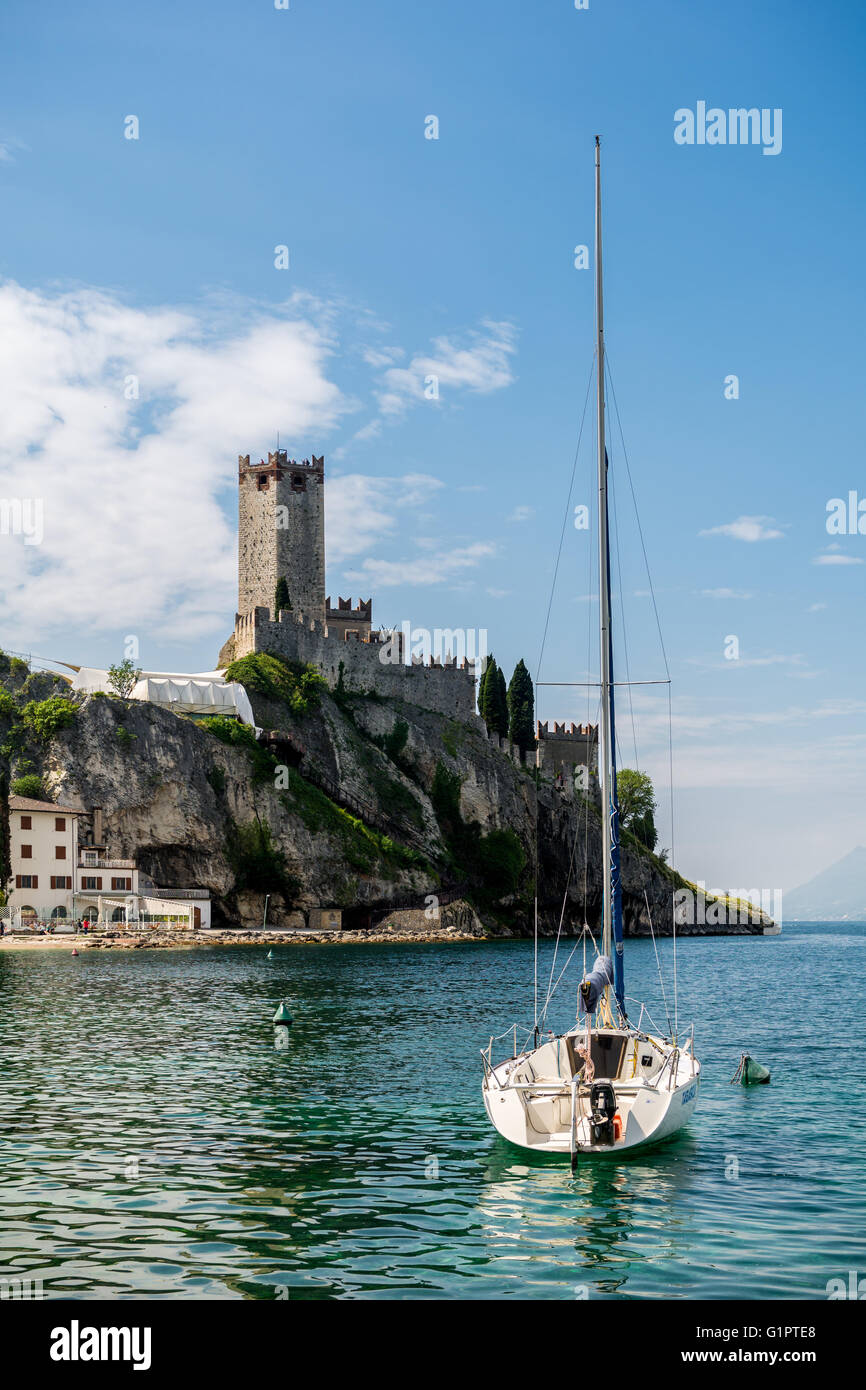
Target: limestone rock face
[173, 796]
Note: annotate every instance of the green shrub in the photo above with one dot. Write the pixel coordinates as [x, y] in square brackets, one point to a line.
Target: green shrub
[8, 706]
[259, 864]
[363, 847]
[124, 736]
[445, 796]
[297, 686]
[492, 864]
[395, 742]
[500, 863]
[237, 735]
[217, 779]
[45, 718]
[29, 785]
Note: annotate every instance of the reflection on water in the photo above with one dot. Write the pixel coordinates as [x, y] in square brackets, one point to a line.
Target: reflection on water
[157, 1143]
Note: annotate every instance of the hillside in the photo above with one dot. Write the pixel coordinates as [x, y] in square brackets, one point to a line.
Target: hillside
[838, 894]
[355, 802]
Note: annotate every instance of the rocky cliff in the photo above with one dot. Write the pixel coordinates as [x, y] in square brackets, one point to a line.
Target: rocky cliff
[362, 803]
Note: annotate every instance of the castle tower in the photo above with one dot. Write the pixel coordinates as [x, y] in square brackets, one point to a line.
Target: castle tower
[281, 533]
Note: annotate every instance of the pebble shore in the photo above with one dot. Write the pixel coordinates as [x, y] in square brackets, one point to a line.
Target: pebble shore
[153, 941]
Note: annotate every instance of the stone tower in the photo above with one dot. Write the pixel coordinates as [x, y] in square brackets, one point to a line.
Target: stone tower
[281, 533]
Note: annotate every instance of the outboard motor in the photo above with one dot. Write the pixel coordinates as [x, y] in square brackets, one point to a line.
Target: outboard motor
[602, 1108]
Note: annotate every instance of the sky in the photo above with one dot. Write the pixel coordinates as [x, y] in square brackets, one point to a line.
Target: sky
[433, 337]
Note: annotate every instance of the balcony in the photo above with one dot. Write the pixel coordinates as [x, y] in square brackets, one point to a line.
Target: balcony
[106, 863]
[178, 893]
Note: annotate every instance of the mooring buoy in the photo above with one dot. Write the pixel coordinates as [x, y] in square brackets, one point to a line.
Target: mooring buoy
[282, 1023]
[270, 955]
[750, 1072]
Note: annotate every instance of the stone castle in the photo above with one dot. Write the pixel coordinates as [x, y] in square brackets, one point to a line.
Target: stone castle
[281, 537]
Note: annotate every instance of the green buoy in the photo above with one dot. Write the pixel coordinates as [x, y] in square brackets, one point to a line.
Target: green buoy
[750, 1072]
[282, 1024]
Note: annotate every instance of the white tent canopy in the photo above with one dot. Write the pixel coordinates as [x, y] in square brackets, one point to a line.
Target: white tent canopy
[201, 693]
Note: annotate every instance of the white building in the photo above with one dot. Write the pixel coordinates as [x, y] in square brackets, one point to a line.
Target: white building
[55, 877]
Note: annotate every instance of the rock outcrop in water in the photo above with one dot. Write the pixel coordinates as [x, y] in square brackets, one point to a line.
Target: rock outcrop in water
[366, 804]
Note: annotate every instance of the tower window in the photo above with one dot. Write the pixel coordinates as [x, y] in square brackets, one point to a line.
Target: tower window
[263, 482]
[299, 483]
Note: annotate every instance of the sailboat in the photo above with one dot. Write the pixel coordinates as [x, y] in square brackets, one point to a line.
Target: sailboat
[606, 1086]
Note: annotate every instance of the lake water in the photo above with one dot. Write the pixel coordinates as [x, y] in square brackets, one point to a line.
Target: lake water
[155, 1143]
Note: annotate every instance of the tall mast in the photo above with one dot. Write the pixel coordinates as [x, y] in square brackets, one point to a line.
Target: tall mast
[604, 569]
[612, 898]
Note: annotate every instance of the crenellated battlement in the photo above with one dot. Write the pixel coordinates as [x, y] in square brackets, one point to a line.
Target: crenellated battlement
[278, 465]
[573, 731]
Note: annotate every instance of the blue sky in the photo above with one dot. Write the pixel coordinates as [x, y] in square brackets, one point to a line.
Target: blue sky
[305, 128]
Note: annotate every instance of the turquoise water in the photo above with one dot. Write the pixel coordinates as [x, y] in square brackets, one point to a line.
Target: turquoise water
[154, 1142]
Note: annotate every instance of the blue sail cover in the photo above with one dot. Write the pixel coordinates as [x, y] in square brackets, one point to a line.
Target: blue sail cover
[615, 885]
[600, 975]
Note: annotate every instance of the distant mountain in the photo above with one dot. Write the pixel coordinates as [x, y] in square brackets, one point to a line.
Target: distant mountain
[836, 895]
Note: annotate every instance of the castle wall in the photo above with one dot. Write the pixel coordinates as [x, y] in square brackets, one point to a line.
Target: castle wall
[447, 688]
[561, 749]
[344, 620]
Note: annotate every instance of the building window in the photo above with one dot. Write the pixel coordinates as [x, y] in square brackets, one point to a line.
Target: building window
[59, 822]
[26, 823]
[122, 883]
[59, 851]
[263, 482]
[91, 884]
[61, 881]
[299, 483]
[26, 851]
[26, 880]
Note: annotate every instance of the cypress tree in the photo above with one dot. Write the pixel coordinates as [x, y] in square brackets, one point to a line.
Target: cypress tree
[521, 709]
[501, 703]
[486, 693]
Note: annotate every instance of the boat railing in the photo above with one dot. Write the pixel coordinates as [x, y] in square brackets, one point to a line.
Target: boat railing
[487, 1052]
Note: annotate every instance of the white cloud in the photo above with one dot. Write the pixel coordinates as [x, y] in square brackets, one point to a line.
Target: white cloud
[8, 146]
[816, 607]
[746, 528]
[424, 568]
[482, 364]
[726, 593]
[834, 556]
[522, 514]
[135, 538]
[360, 511]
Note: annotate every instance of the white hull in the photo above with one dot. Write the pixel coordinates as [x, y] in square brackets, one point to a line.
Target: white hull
[536, 1101]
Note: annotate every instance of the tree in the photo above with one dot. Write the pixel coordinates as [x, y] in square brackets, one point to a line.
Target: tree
[281, 597]
[482, 686]
[637, 806]
[521, 709]
[492, 702]
[487, 694]
[501, 703]
[124, 678]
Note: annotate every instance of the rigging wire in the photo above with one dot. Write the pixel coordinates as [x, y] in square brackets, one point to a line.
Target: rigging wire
[537, 679]
[667, 672]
